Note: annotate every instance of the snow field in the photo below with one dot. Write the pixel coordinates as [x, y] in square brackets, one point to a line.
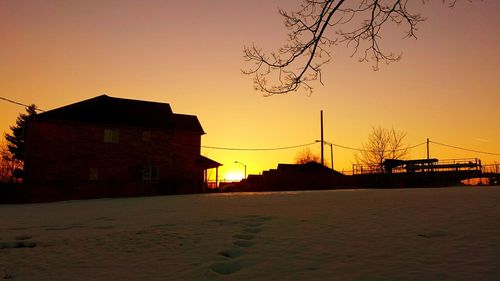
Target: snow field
[400, 234]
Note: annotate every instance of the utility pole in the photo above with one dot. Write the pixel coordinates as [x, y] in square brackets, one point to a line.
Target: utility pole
[322, 140]
[427, 148]
[331, 154]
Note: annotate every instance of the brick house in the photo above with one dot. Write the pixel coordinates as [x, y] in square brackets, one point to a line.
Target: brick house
[107, 146]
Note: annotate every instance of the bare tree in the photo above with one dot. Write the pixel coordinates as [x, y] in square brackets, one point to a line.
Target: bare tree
[382, 144]
[315, 28]
[305, 155]
[8, 164]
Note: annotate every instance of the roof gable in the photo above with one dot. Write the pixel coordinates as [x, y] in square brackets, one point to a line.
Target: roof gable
[302, 168]
[124, 112]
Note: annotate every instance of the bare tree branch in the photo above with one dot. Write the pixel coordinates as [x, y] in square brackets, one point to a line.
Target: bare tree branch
[305, 156]
[315, 28]
[382, 144]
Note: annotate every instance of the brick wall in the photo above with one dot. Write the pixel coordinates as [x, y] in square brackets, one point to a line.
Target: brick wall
[59, 151]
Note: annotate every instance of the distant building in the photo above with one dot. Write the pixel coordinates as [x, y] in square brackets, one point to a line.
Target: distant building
[305, 176]
[108, 146]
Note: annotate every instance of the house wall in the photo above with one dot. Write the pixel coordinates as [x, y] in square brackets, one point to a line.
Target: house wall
[72, 152]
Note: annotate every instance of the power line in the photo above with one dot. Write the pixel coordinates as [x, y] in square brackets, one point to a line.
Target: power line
[417, 145]
[21, 104]
[257, 149]
[296, 146]
[366, 150]
[466, 149]
[341, 146]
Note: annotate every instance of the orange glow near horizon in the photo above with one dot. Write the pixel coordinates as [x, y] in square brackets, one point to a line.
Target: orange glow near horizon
[232, 176]
[189, 54]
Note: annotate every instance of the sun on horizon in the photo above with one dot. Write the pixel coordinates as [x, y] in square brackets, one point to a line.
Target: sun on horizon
[233, 175]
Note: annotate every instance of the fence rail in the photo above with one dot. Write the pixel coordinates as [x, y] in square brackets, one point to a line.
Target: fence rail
[423, 165]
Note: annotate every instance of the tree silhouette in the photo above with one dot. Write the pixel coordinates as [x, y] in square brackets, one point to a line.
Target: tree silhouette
[15, 141]
[305, 155]
[8, 165]
[315, 28]
[382, 144]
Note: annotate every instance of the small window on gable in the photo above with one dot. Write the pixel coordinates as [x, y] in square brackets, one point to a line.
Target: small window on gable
[150, 173]
[94, 174]
[146, 136]
[111, 135]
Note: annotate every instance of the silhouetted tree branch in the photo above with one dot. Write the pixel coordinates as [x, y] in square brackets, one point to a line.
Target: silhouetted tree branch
[15, 141]
[8, 164]
[315, 28]
[382, 144]
[305, 156]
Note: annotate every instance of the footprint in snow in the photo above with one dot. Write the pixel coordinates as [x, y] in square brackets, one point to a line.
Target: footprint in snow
[231, 253]
[244, 243]
[252, 230]
[226, 268]
[252, 225]
[244, 236]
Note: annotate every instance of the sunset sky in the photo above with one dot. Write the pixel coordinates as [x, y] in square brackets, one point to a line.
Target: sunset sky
[189, 54]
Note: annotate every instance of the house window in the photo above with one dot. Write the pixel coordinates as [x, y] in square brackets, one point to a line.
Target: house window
[150, 173]
[146, 136]
[111, 135]
[94, 174]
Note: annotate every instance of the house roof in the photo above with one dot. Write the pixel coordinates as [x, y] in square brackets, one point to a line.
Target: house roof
[310, 167]
[124, 112]
[208, 163]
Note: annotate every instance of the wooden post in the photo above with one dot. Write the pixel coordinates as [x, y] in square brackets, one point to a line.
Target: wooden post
[427, 148]
[331, 152]
[322, 140]
[216, 177]
[205, 178]
[428, 156]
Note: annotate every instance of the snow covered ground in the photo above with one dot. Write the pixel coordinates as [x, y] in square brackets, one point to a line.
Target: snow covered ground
[400, 234]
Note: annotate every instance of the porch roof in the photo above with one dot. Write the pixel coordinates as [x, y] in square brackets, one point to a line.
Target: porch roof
[208, 163]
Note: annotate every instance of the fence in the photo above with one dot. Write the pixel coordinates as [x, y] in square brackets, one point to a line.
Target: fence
[424, 165]
[491, 168]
